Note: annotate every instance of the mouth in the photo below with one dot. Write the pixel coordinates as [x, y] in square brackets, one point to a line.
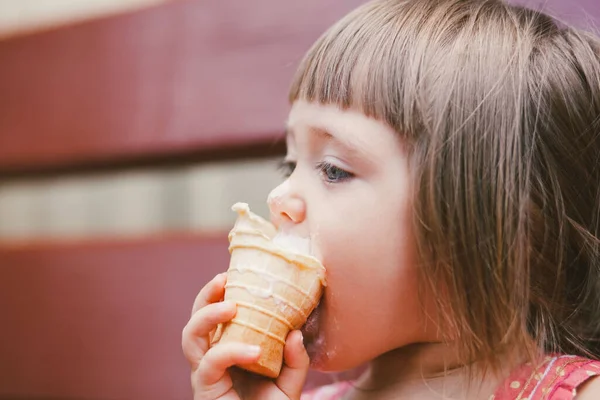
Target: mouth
[310, 328]
[310, 332]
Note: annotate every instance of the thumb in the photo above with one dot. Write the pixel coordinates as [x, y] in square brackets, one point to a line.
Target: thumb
[295, 366]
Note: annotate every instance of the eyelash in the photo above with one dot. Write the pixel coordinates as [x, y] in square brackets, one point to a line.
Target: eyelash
[286, 168]
[329, 172]
[326, 169]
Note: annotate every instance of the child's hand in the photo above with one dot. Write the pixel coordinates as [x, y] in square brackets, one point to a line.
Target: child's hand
[212, 378]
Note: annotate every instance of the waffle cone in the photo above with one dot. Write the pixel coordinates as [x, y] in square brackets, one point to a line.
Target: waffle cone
[275, 290]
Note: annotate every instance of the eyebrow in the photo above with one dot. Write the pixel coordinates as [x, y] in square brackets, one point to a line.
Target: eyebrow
[352, 147]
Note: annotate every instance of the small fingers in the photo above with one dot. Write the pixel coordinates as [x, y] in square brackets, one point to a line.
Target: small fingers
[219, 358]
[295, 366]
[195, 335]
[222, 390]
[212, 292]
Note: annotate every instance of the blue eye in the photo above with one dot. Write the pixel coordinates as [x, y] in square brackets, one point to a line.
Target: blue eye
[333, 174]
[286, 167]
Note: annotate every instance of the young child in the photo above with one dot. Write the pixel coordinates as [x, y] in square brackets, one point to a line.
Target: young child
[444, 157]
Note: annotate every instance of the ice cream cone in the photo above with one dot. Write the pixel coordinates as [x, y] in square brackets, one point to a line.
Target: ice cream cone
[275, 289]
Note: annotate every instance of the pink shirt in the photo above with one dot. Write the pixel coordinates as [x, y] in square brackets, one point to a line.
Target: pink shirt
[557, 378]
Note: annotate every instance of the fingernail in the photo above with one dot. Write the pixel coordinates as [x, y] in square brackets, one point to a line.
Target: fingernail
[225, 305]
[253, 351]
[221, 277]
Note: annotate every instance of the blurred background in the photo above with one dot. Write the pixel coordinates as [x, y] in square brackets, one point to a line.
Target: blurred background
[127, 130]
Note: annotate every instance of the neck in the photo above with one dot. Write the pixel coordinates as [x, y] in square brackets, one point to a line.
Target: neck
[413, 362]
[426, 371]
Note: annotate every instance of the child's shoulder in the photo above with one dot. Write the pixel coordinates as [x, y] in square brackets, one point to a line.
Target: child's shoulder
[557, 377]
[329, 392]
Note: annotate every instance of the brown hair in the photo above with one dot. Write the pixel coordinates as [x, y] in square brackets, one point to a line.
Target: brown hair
[500, 107]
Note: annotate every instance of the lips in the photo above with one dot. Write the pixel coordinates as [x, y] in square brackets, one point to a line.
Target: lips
[310, 330]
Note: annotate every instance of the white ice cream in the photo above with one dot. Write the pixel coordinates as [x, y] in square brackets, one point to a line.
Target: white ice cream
[292, 243]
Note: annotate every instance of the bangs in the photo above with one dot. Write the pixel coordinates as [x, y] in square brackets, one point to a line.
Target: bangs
[372, 61]
[354, 65]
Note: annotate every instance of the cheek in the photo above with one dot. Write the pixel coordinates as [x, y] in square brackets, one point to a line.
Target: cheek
[368, 249]
[369, 269]
[372, 294]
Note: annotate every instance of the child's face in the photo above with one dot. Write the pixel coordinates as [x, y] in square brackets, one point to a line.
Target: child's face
[349, 191]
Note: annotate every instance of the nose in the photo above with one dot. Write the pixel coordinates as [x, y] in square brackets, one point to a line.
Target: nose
[286, 206]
